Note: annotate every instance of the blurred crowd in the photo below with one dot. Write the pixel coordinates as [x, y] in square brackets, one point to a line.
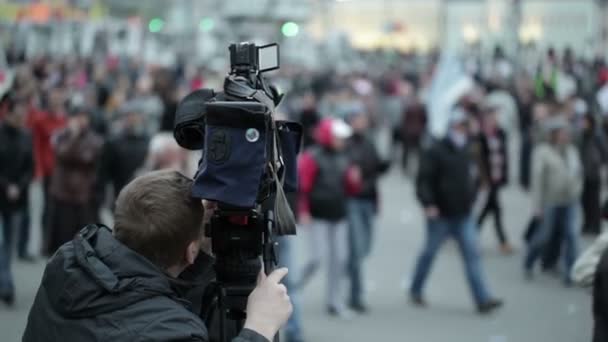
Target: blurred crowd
[550, 119]
[84, 127]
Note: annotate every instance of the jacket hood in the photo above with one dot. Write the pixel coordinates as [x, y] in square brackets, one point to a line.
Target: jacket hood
[330, 128]
[95, 274]
[323, 133]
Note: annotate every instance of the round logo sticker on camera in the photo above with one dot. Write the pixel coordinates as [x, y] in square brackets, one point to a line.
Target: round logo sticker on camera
[252, 135]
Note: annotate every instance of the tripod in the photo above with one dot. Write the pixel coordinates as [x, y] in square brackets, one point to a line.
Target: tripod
[239, 239]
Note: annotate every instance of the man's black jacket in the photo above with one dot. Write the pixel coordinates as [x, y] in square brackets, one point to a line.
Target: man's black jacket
[96, 289]
[363, 154]
[447, 178]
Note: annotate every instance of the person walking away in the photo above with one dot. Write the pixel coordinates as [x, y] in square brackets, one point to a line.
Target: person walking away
[125, 152]
[362, 205]
[413, 127]
[494, 169]
[556, 189]
[44, 125]
[594, 153]
[16, 173]
[74, 190]
[325, 176]
[446, 187]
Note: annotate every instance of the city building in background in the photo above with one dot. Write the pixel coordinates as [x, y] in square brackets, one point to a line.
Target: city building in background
[158, 31]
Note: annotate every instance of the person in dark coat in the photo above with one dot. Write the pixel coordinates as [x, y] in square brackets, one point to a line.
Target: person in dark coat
[413, 127]
[123, 285]
[309, 119]
[361, 205]
[594, 153]
[75, 193]
[600, 300]
[446, 189]
[125, 152]
[16, 173]
[494, 172]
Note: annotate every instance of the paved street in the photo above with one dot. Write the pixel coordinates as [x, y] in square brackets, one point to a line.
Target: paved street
[536, 311]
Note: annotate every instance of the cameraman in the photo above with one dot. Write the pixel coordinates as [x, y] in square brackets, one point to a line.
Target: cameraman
[123, 286]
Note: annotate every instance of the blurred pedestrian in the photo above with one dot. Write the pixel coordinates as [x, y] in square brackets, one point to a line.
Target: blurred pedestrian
[446, 188]
[362, 205]
[413, 127]
[525, 106]
[325, 179]
[556, 189]
[170, 100]
[165, 153]
[309, 118]
[16, 173]
[44, 124]
[75, 188]
[594, 154]
[125, 152]
[293, 328]
[494, 172]
[545, 82]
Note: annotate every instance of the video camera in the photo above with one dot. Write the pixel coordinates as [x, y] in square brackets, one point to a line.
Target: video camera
[247, 166]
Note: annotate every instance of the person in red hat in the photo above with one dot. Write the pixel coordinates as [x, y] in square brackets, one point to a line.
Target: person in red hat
[326, 178]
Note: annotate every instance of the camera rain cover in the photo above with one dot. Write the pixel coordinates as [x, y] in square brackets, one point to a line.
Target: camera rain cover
[234, 155]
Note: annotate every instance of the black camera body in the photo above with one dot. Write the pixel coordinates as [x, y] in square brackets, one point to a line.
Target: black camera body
[247, 165]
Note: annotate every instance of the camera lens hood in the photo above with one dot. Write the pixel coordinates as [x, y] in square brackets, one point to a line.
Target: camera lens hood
[189, 128]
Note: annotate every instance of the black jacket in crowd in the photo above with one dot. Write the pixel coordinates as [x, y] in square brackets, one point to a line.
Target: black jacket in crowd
[486, 155]
[363, 153]
[16, 165]
[594, 153]
[328, 195]
[96, 289]
[123, 155]
[600, 300]
[447, 178]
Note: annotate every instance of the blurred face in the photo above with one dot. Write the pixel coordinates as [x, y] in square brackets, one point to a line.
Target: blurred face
[490, 123]
[16, 117]
[57, 101]
[360, 123]
[586, 124]
[561, 137]
[460, 128]
[133, 120]
[308, 101]
[540, 111]
[339, 144]
[80, 122]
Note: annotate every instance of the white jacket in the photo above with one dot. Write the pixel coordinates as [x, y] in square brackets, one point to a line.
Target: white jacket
[583, 272]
